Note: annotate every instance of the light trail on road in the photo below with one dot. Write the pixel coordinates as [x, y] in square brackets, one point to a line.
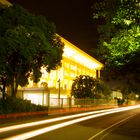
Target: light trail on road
[9, 128]
[34, 133]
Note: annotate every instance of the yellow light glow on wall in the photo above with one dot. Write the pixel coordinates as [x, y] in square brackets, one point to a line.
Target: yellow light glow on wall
[74, 53]
[75, 62]
[5, 2]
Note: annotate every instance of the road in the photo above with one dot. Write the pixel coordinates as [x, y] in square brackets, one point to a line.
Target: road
[110, 124]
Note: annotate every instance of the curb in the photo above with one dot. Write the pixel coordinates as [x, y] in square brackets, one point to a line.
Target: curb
[53, 112]
[15, 115]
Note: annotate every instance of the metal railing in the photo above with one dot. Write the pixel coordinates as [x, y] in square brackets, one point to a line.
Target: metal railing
[71, 103]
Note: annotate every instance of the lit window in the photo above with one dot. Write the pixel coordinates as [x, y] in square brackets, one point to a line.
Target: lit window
[50, 83]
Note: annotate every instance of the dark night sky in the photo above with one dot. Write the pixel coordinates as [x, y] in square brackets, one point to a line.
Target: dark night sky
[73, 19]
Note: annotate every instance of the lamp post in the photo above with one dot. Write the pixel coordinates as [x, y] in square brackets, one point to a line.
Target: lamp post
[59, 88]
[59, 92]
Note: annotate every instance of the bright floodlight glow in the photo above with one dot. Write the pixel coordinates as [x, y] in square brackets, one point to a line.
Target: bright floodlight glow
[51, 128]
[80, 58]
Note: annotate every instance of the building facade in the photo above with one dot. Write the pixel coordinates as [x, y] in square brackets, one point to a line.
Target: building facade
[5, 2]
[57, 83]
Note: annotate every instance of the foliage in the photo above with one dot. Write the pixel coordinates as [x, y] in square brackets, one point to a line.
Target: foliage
[114, 15]
[85, 86]
[17, 105]
[119, 44]
[27, 43]
[123, 47]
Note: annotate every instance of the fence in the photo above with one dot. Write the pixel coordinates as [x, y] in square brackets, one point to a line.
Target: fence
[71, 103]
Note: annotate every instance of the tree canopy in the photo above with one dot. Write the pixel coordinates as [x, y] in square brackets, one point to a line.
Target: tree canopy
[119, 43]
[27, 43]
[85, 86]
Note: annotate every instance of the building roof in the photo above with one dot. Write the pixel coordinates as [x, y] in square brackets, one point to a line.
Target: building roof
[75, 53]
[5, 2]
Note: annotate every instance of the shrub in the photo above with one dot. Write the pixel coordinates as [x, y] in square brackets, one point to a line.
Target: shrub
[85, 86]
[17, 105]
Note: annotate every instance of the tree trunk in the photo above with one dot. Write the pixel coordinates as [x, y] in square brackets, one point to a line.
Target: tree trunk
[14, 87]
[3, 92]
[2, 88]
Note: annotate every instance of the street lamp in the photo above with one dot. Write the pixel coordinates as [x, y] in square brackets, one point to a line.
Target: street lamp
[137, 96]
[59, 91]
[59, 88]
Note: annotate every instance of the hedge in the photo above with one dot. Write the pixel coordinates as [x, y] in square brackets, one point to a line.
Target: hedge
[18, 105]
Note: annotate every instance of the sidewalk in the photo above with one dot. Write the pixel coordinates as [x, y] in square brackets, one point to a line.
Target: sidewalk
[77, 109]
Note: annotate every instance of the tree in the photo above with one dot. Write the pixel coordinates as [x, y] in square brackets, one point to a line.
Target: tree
[85, 86]
[119, 43]
[27, 43]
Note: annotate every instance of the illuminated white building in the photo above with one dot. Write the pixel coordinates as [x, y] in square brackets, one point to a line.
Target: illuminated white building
[75, 62]
[5, 2]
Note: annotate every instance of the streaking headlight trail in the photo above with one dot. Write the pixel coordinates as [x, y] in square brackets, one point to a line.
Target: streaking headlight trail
[60, 125]
[9, 128]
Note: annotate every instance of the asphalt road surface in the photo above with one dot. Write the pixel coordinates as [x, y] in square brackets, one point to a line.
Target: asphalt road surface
[114, 124]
